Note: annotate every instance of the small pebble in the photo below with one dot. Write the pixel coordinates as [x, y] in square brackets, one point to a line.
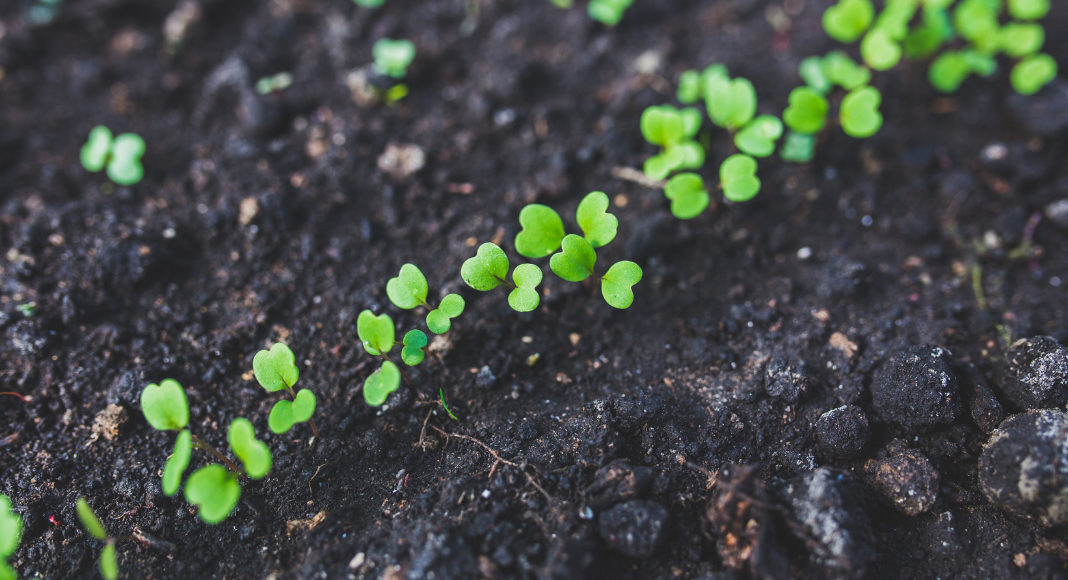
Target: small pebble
[1024, 467]
[908, 481]
[917, 389]
[634, 528]
[843, 431]
[1035, 373]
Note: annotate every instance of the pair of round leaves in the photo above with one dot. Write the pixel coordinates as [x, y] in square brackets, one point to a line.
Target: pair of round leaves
[667, 126]
[121, 155]
[276, 369]
[807, 111]
[859, 114]
[109, 564]
[952, 67]
[409, 289]
[488, 269]
[10, 530]
[847, 20]
[377, 335]
[688, 195]
[731, 103]
[1032, 73]
[543, 230]
[737, 177]
[392, 57]
[255, 456]
[758, 137]
[575, 263]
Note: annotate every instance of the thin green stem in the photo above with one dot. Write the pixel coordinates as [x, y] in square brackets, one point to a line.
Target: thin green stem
[311, 422]
[505, 282]
[202, 445]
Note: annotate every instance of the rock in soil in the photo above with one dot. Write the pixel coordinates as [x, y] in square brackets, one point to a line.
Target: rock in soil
[908, 481]
[618, 481]
[634, 528]
[917, 389]
[1024, 467]
[1035, 374]
[843, 431]
[827, 506]
[786, 380]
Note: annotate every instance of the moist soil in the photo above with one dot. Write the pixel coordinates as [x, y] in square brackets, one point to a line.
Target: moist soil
[676, 439]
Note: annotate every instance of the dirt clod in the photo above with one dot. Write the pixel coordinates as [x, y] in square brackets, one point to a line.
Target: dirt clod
[907, 481]
[917, 389]
[827, 506]
[786, 380]
[634, 528]
[843, 431]
[1035, 374]
[107, 422]
[616, 482]
[1024, 467]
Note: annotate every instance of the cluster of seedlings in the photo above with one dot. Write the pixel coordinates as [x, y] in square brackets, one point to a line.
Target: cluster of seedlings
[119, 156]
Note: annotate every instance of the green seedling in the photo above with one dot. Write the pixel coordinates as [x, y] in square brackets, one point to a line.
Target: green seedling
[109, 564]
[10, 534]
[409, 290]
[598, 226]
[177, 463]
[29, 309]
[880, 50]
[1028, 9]
[488, 269]
[731, 103]
[933, 31]
[275, 83]
[674, 131]
[618, 282]
[688, 195]
[412, 353]
[1032, 73]
[811, 71]
[807, 111]
[369, 3]
[378, 337]
[952, 67]
[860, 114]
[842, 71]
[276, 370]
[392, 57]
[381, 383]
[977, 21]
[1019, 40]
[738, 178]
[758, 137]
[798, 147]
[121, 156]
[165, 406]
[541, 233]
[441, 397]
[575, 263]
[608, 12]
[253, 453]
[689, 91]
[215, 490]
[847, 20]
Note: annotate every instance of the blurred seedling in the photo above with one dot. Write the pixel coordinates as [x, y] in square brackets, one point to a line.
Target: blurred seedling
[692, 83]
[121, 155]
[274, 83]
[378, 337]
[608, 12]
[488, 269]
[276, 370]
[10, 534]
[369, 3]
[409, 290]
[29, 309]
[109, 563]
[673, 130]
[392, 57]
[214, 488]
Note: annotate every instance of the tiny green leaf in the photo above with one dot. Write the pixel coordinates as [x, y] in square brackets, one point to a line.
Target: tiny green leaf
[1028, 9]
[691, 121]
[608, 12]
[842, 71]
[895, 17]
[575, 262]
[285, 414]
[89, 520]
[737, 176]
[392, 57]
[524, 297]
[848, 19]
[177, 463]
[659, 166]
[165, 406]
[860, 114]
[441, 394]
[276, 369]
[542, 231]
[758, 137]
[807, 112]
[381, 383]
[94, 154]
[976, 20]
[811, 71]
[369, 3]
[376, 332]
[691, 154]
[109, 563]
[617, 282]
[215, 490]
[798, 147]
[731, 103]
[1019, 40]
[408, 289]
[438, 321]
[663, 125]
[125, 165]
[689, 87]
[880, 50]
[10, 529]
[255, 456]
[948, 71]
[487, 269]
[926, 39]
[412, 353]
[1032, 73]
[597, 225]
[687, 194]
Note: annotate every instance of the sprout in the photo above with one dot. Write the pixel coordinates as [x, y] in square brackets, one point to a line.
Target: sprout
[441, 396]
[121, 156]
[381, 383]
[951, 68]
[10, 534]
[254, 454]
[542, 231]
[412, 353]
[524, 297]
[811, 71]
[689, 91]
[798, 147]
[275, 370]
[376, 332]
[847, 20]
[1019, 40]
[617, 282]
[928, 37]
[409, 290]
[731, 103]
[488, 269]
[598, 226]
[807, 112]
[109, 564]
[165, 406]
[392, 57]
[215, 490]
[378, 338]
[977, 21]
[738, 178]
[575, 261]
[1028, 9]
[758, 137]
[177, 463]
[880, 50]
[687, 194]
[860, 115]
[842, 71]
[608, 12]
[673, 130]
[1032, 73]
[274, 83]
[369, 3]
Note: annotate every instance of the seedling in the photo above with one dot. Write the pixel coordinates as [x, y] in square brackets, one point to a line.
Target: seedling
[933, 31]
[807, 111]
[737, 177]
[860, 115]
[798, 147]
[731, 103]
[10, 534]
[441, 396]
[274, 84]
[1032, 73]
[847, 20]
[369, 3]
[378, 338]
[758, 137]
[842, 71]
[275, 370]
[109, 563]
[214, 488]
[392, 57]
[674, 131]
[120, 155]
[488, 269]
[687, 194]
[1019, 40]
[608, 12]
[692, 83]
[409, 290]
[951, 68]
[29, 309]
[1028, 9]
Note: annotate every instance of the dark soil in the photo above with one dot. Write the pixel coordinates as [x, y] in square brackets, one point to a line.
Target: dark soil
[677, 439]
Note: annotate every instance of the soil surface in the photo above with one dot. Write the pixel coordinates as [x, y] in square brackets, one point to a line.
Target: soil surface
[686, 437]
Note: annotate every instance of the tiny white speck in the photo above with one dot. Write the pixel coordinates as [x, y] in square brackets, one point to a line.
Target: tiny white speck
[485, 494]
[1055, 282]
[804, 253]
[169, 233]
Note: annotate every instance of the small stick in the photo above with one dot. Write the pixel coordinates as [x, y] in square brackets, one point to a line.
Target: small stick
[200, 444]
[498, 459]
[635, 176]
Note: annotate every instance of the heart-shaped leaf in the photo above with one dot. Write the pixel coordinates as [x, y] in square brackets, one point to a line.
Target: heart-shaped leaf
[617, 282]
[376, 332]
[737, 176]
[487, 269]
[165, 406]
[842, 71]
[94, 154]
[860, 115]
[438, 321]
[542, 231]
[125, 165]
[811, 71]
[692, 154]
[662, 125]
[879, 50]
[1032, 73]
[215, 490]
[687, 194]
[895, 17]
[976, 20]
[412, 353]
[254, 454]
[408, 289]
[524, 298]
[109, 563]
[597, 225]
[1028, 9]
[392, 57]
[758, 137]
[691, 122]
[381, 383]
[89, 520]
[10, 529]
[798, 148]
[276, 369]
[689, 87]
[948, 71]
[177, 463]
[575, 262]
[807, 112]
[1019, 40]
[731, 103]
[659, 166]
[285, 414]
[848, 19]
[925, 39]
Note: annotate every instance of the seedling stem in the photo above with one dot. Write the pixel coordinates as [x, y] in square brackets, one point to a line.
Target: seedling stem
[311, 422]
[199, 443]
